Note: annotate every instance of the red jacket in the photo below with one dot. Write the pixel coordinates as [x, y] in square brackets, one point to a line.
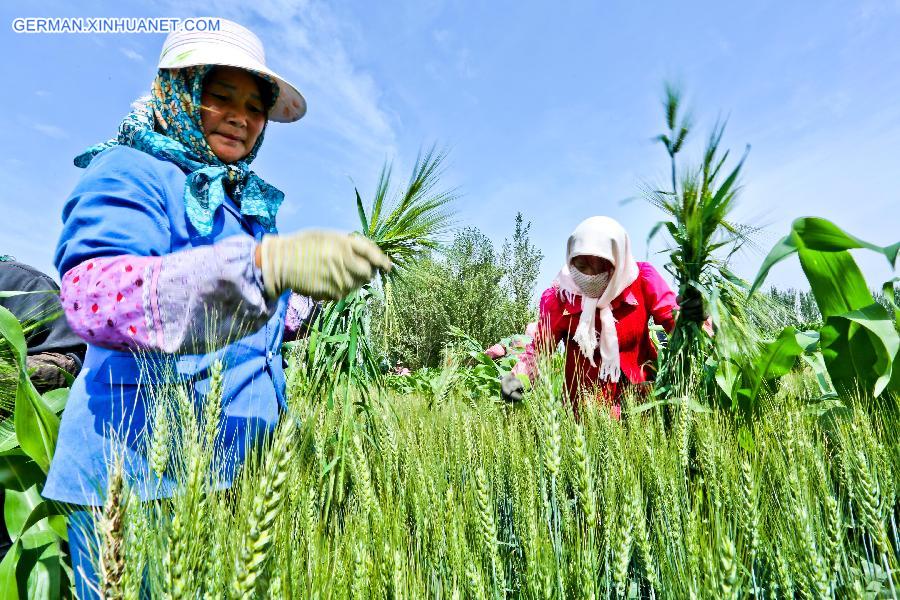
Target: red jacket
[649, 296]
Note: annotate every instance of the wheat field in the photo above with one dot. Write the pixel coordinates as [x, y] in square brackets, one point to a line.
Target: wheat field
[472, 498]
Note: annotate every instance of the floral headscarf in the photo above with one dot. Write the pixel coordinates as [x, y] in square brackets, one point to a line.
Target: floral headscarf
[167, 125]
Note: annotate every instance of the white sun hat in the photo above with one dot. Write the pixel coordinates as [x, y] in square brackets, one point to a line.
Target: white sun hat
[231, 45]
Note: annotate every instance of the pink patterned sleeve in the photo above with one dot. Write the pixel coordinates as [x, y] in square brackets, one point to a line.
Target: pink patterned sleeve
[549, 332]
[185, 301]
[103, 300]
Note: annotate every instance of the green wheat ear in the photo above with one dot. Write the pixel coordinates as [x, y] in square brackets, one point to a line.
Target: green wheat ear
[267, 503]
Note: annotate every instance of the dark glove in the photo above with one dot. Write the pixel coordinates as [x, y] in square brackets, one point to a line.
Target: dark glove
[691, 305]
[511, 388]
[49, 368]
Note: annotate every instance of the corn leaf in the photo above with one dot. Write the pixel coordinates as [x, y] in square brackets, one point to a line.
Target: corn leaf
[860, 347]
[11, 331]
[45, 564]
[859, 338]
[36, 425]
[819, 235]
[9, 587]
[779, 357]
[835, 279]
[18, 472]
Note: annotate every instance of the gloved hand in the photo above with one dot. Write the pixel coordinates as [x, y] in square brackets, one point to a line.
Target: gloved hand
[511, 388]
[691, 305]
[325, 265]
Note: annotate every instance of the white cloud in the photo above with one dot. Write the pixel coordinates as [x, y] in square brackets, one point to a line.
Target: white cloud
[456, 54]
[305, 44]
[876, 9]
[441, 37]
[132, 55]
[464, 65]
[51, 130]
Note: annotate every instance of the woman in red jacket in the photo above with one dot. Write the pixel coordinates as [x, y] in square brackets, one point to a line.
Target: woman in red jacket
[600, 305]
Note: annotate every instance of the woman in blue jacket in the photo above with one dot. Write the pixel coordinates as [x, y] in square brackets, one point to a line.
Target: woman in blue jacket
[167, 228]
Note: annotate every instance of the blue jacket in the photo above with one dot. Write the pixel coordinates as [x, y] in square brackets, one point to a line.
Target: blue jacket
[129, 202]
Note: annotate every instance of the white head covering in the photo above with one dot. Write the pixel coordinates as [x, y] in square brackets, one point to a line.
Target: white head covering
[605, 238]
[233, 45]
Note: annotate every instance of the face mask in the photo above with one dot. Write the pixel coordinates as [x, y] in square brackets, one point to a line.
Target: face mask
[592, 286]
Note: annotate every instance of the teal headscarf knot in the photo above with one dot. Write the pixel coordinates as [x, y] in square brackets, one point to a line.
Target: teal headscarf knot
[167, 125]
[204, 192]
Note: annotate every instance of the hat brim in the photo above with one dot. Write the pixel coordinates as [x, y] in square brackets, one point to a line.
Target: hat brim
[290, 105]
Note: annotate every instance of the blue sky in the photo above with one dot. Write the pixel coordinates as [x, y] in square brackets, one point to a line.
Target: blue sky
[547, 108]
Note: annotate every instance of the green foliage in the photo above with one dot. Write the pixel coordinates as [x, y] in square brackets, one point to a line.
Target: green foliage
[678, 130]
[521, 264]
[799, 307]
[34, 567]
[744, 381]
[339, 347]
[469, 288]
[859, 337]
[481, 378]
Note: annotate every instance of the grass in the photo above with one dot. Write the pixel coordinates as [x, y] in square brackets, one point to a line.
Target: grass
[472, 498]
